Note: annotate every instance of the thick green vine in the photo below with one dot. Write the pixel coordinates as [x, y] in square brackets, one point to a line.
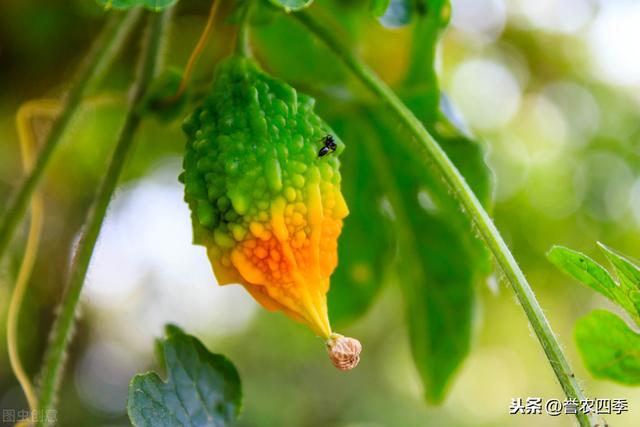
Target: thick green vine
[62, 330]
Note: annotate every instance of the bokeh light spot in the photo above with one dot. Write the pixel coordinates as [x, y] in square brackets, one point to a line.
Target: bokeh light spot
[486, 92]
[613, 42]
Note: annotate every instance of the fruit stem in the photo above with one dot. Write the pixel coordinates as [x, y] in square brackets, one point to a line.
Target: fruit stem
[471, 207]
[242, 40]
[62, 329]
[102, 52]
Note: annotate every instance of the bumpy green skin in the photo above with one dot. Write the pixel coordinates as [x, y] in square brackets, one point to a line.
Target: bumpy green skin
[252, 139]
[266, 206]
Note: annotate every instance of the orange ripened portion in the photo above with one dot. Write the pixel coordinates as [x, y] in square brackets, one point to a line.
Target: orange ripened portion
[263, 188]
[285, 261]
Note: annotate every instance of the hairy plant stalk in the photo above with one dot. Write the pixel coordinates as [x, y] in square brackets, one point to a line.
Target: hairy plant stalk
[471, 206]
[100, 55]
[62, 330]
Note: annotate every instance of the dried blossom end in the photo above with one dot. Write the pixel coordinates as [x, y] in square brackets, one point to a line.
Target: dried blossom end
[344, 352]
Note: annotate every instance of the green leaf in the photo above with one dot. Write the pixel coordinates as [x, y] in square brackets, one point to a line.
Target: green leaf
[446, 259]
[379, 7]
[592, 274]
[623, 266]
[202, 388]
[629, 277]
[367, 241]
[583, 269]
[155, 5]
[292, 5]
[305, 59]
[610, 348]
[440, 259]
[438, 288]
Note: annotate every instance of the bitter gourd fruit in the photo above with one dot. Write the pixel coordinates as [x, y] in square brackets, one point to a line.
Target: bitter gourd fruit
[264, 202]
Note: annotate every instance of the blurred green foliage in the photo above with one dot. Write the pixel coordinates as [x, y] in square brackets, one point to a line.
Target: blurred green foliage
[202, 388]
[610, 348]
